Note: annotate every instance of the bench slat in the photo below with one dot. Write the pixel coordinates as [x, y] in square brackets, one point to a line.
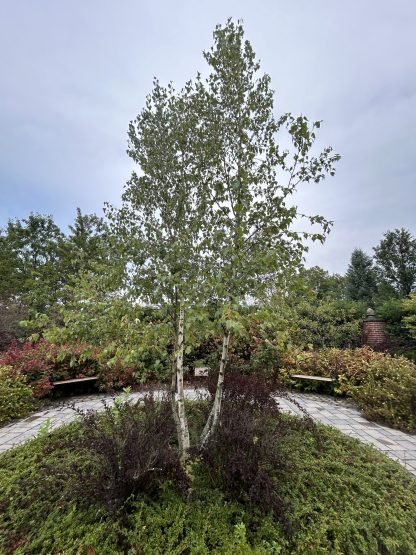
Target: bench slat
[75, 380]
[316, 378]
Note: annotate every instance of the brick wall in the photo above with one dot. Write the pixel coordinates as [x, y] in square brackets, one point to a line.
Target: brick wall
[374, 335]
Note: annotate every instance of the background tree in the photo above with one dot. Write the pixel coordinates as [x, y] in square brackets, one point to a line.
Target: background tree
[32, 247]
[361, 278]
[322, 284]
[396, 259]
[10, 278]
[29, 277]
[11, 314]
[87, 244]
[251, 175]
[39, 265]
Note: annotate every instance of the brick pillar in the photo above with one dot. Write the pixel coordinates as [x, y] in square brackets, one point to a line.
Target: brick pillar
[373, 333]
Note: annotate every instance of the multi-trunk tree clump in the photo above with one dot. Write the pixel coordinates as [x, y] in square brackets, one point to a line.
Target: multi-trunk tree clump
[207, 218]
[161, 219]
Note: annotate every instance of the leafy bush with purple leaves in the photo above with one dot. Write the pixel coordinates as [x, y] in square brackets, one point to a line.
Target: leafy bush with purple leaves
[127, 451]
[244, 458]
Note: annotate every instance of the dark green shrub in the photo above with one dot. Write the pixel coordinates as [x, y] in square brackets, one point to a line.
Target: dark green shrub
[327, 324]
[16, 397]
[392, 312]
[269, 332]
[409, 321]
[396, 313]
[410, 355]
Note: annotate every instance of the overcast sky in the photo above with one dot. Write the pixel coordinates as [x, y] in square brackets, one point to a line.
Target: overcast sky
[73, 74]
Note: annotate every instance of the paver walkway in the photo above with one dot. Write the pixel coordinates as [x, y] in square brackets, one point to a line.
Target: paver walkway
[335, 412]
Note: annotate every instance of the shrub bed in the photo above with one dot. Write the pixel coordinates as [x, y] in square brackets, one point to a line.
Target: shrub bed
[264, 334]
[42, 363]
[384, 386]
[335, 495]
[34, 362]
[388, 392]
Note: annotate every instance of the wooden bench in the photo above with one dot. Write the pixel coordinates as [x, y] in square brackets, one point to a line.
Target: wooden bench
[76, 380]
[313, 378]
[201, 372]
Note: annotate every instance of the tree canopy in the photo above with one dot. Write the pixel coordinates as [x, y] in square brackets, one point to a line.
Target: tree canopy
[38, 260]
[396, 258]
[361, 278]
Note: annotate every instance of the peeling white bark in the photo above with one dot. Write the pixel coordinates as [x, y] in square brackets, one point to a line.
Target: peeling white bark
[214, 415]
[173, 398]
[178, 393]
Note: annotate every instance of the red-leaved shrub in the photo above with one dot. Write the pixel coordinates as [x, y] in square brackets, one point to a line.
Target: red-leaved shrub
[253, 389]
[115, 376]
[43, 363]
[34, 361]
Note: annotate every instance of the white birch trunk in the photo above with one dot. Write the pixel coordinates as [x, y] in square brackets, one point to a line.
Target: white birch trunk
[173, 395]
[179, 396]
[214, 415]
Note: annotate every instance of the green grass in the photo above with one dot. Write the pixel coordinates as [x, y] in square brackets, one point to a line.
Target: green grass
[345, 498]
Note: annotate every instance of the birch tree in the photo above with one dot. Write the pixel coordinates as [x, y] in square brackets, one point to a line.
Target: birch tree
[159, 221]
[207, 217]
[257, 161]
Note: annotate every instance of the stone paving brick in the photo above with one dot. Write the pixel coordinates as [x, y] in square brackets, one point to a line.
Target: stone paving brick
[385, 441]
[7, 438]
[392, 433]
[14, 430]
[374, 433]
[408, 445]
